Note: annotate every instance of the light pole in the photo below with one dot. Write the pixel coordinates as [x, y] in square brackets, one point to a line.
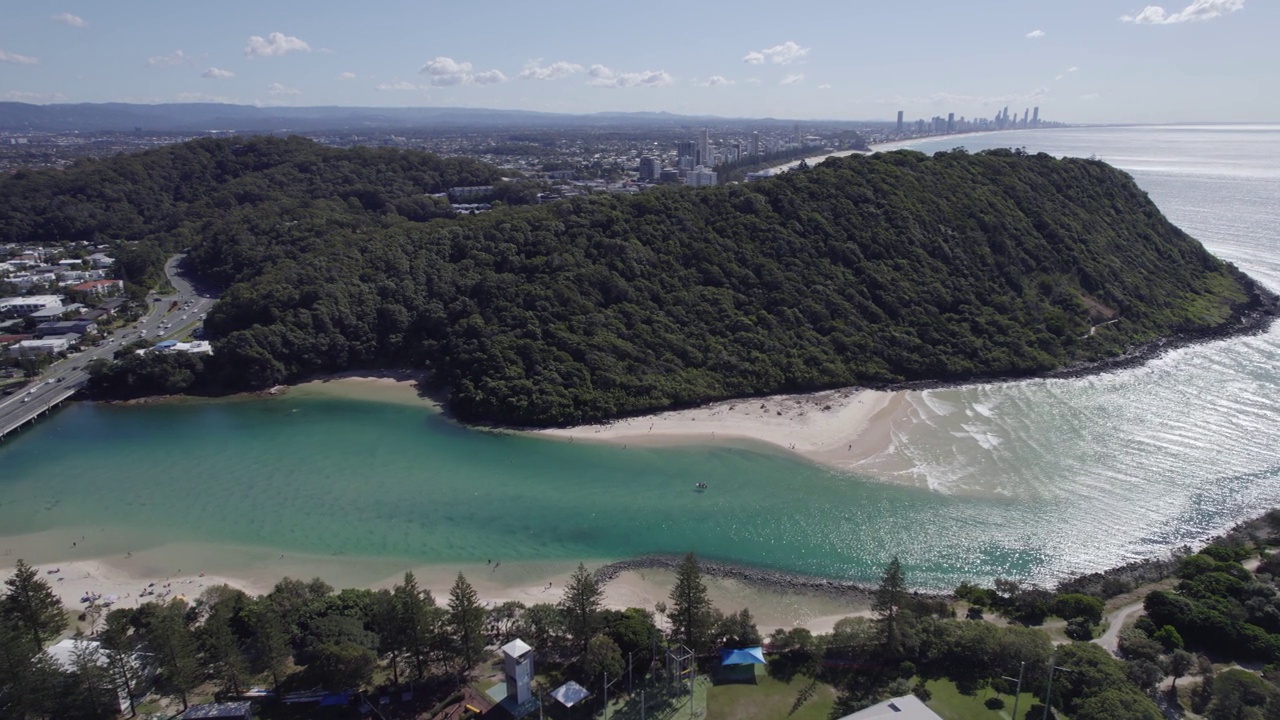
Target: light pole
[1048, 693]
[1017, 694]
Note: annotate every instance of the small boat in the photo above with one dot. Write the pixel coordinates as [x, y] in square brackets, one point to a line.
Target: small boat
[700, 486]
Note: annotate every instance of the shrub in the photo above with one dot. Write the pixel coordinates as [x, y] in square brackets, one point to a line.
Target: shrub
[994, 703]
[1079, 629]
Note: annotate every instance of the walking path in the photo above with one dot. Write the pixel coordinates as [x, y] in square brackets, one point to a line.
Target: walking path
[1111, 637]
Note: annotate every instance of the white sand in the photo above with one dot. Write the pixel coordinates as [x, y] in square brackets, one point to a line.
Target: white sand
[135, 579]
[838, 428]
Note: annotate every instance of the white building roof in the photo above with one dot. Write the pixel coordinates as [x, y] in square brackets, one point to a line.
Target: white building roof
[907, 707]
[63, 653]
[515, 648]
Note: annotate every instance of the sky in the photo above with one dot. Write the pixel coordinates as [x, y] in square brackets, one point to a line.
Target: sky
[1078, 60]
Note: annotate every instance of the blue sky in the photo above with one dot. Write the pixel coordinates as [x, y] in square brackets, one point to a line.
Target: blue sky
[1079, 60]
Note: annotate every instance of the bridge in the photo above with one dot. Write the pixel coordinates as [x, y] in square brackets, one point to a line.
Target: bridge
[18, 410]
[65, 377]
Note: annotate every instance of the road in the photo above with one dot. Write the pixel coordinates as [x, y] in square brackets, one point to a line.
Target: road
[1110, 639]
[62, 378]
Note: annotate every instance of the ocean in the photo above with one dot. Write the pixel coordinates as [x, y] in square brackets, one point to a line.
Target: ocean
[1032, 480]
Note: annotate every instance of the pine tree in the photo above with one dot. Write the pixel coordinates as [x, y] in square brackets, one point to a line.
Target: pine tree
[581, 605]
[270, 643]
[174, 647]
[32, 608]
[466, 624]
[89, 690]
[691, 612]
[118, 647]
[889, 602]
[411, 606]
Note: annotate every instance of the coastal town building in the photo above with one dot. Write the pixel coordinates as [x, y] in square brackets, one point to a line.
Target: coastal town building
[700, 177]
[63, 655]
[37, 348]
[219, 711]
[22, 306]
[100, 287]
[907, 707]
[66, 327]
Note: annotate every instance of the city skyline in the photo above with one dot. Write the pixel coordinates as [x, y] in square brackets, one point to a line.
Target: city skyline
[1095, 61]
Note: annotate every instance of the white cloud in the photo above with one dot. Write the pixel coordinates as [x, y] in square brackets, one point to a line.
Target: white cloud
[16, 59]
[217, 74]
[489, 77]
[278, 90]
[784, 54]
[346, 76]
[1035, 34]
[31, 97]
[824, 86]
[274, 44]
[717, 81]
[447, 72]
[556, 70]
[602, 76]
[1198, 10]
[1090, 96]
[398, 86]
[1073, 68]
[177, 57]
[792, 79]
[67, 18]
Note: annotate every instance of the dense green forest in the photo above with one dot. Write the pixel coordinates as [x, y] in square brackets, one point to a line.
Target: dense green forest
[861, 270]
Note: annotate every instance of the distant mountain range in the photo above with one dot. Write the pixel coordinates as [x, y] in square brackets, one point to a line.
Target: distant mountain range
[213, 117]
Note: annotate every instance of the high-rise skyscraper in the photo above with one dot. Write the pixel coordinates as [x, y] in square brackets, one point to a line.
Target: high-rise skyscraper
[899, 121]
[796, 136]
[1035, 116]
[650, 168]
[951, 122]
[704, 148]
[755, 143]
[686, 152]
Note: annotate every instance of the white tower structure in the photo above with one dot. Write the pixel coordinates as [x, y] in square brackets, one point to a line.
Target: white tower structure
[517, 664]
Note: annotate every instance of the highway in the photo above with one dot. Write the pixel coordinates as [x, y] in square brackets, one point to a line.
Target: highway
[60, 380]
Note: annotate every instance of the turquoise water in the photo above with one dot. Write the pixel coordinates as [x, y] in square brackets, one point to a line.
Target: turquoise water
[1030, 480]
[325, 475]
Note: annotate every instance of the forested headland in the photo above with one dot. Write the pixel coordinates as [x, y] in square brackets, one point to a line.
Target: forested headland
[860, 271]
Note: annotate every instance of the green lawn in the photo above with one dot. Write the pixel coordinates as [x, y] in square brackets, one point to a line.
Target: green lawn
[951, 705]
[769, 698]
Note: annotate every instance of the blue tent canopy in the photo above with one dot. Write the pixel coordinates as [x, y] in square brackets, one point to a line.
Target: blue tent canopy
[745, 656]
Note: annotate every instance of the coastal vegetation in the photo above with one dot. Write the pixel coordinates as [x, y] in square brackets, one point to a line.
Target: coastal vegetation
[874, 270]
[304, 635]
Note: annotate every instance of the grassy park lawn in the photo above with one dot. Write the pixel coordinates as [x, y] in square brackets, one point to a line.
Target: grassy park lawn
[769, 698]
[951, 705]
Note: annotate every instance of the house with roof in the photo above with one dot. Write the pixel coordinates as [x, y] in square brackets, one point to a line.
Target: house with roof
[100, 287]
[219, 711]
[907, 707]
[63, 655]
[41, 346]
[66, 327]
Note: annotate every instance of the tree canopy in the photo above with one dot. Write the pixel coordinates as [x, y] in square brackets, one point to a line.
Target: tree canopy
[861, 270]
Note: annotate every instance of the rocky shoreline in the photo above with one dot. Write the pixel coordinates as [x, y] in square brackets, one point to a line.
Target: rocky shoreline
[1105, 584]
[1255, 317]
[762, 578]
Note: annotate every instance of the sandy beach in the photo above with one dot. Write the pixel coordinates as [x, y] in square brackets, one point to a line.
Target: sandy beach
[153, 575]
[848, 429]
